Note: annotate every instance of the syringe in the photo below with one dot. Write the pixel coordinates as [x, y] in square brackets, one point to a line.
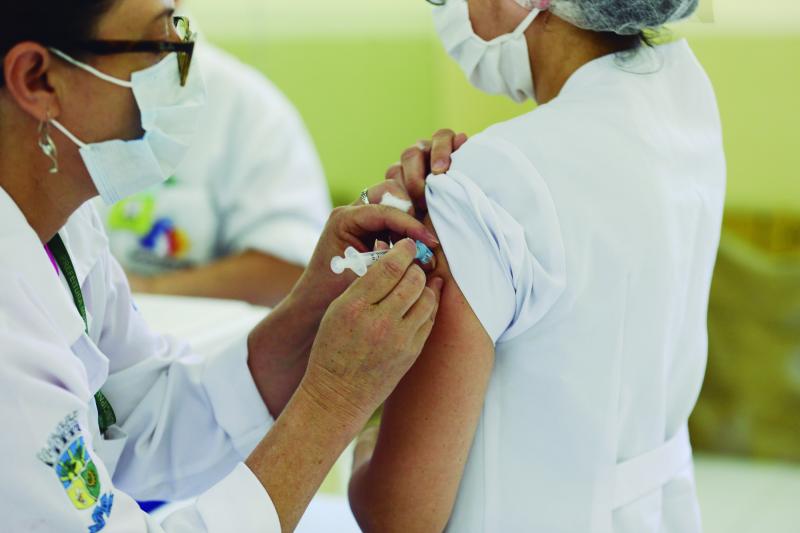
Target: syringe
[360, 262]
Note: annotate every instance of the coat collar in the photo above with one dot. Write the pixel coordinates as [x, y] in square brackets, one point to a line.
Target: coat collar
[645, 60]
[23, 260]
[85, 240]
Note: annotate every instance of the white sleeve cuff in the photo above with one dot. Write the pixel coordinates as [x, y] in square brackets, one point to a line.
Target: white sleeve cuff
[238, 503]
[238, 406]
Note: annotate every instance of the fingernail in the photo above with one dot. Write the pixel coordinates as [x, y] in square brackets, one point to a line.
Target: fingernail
[432, 237]
[440, 165]
[437, 284]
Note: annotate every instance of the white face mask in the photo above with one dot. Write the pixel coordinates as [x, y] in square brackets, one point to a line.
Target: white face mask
[170, 115]
[499, 66]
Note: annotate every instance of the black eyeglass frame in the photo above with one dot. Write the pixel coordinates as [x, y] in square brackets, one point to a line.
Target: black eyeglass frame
[184, 48]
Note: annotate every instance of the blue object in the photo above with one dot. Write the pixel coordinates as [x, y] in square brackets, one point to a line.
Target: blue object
[149, 507]
[424, 254]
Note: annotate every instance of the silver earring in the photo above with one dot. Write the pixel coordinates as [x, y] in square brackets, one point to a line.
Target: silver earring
[47, 145]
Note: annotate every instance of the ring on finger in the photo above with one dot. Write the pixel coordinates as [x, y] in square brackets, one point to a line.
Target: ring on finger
[364, 198]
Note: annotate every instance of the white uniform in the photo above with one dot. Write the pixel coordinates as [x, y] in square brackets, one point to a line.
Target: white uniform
[583, 235]
[184, 422]
[252, 180]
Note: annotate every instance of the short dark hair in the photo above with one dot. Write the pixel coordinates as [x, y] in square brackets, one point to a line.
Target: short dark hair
[58, 23]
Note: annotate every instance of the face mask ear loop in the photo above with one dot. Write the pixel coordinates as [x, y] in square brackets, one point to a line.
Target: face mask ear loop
[526, 22]
[521, 28]
[68, 134]
[91, 70]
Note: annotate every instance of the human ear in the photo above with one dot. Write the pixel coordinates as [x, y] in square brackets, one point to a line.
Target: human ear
[28, 72]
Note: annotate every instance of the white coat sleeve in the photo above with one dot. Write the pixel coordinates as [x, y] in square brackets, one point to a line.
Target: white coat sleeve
[188, 419]
[274, 197]
[54, 480]
[500, 233]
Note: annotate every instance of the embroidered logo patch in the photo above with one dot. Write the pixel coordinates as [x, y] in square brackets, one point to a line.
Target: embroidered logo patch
[66, 453]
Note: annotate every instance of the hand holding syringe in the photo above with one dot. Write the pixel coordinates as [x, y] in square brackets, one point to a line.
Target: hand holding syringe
[360, 262]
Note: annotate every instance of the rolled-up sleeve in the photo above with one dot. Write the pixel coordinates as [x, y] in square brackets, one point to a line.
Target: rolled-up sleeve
[510, 277]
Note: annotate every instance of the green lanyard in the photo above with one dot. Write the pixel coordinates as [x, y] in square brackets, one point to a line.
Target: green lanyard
[106, 417]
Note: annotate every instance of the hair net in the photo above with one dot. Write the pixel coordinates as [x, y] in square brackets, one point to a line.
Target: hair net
[625, 17]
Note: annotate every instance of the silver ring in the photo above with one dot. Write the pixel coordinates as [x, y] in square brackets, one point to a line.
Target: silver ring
[364, 197]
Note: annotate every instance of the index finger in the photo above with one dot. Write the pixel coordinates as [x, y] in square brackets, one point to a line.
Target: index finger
[365, 220]
[383, 277]
[414, 163]
[442, 147]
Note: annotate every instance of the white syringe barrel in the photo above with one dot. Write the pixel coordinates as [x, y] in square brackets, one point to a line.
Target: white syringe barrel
[360, 262]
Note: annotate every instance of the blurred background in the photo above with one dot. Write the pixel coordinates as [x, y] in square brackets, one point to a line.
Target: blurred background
[370, 79]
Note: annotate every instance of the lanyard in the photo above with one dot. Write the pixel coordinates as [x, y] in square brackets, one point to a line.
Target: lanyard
[106, 416]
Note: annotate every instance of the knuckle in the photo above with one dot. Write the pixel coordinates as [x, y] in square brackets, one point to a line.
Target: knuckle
[410, 153]
[381, 328]
[428, 298]
[394, 171]
[396, 189]
[444, 132]
[337, 214]
[392, 269]
[416, 276]
[350, 304]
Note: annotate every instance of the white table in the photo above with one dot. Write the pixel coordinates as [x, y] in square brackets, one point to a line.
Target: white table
[736, 495]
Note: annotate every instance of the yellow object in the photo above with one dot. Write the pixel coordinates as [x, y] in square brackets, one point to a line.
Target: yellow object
[751, 395]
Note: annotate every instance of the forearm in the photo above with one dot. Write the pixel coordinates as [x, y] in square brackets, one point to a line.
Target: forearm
[299, 451]
[251, 276]
[280, 345]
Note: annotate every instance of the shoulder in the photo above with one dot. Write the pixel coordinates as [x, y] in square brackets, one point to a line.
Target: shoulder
[499, 164]
[500, 231]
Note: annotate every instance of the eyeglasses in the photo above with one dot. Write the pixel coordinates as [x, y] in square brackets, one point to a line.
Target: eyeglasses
[184, 48]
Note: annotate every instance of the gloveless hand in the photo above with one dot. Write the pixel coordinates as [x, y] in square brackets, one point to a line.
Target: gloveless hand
[372, 334]
[421, 160]
[358, 226]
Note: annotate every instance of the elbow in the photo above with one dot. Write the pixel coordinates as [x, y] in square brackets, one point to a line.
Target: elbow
[360, 503]
[378, 510]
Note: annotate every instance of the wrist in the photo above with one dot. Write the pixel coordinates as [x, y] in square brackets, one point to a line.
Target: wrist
[334, 400]
[288, 330]
[313, 297]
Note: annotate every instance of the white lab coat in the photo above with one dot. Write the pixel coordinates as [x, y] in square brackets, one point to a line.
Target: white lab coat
[583, 235]
[185, 423]
[252, 180]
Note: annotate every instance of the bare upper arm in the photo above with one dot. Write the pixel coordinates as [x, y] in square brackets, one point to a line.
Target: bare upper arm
[429, 423]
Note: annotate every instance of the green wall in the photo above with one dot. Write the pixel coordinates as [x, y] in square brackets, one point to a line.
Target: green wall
[366, 98]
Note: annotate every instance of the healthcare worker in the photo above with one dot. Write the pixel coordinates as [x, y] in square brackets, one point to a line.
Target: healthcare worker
[99, 96]
[578, 246]
[241, 215]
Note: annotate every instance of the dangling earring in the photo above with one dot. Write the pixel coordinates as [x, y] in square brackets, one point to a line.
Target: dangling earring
[47, 145]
